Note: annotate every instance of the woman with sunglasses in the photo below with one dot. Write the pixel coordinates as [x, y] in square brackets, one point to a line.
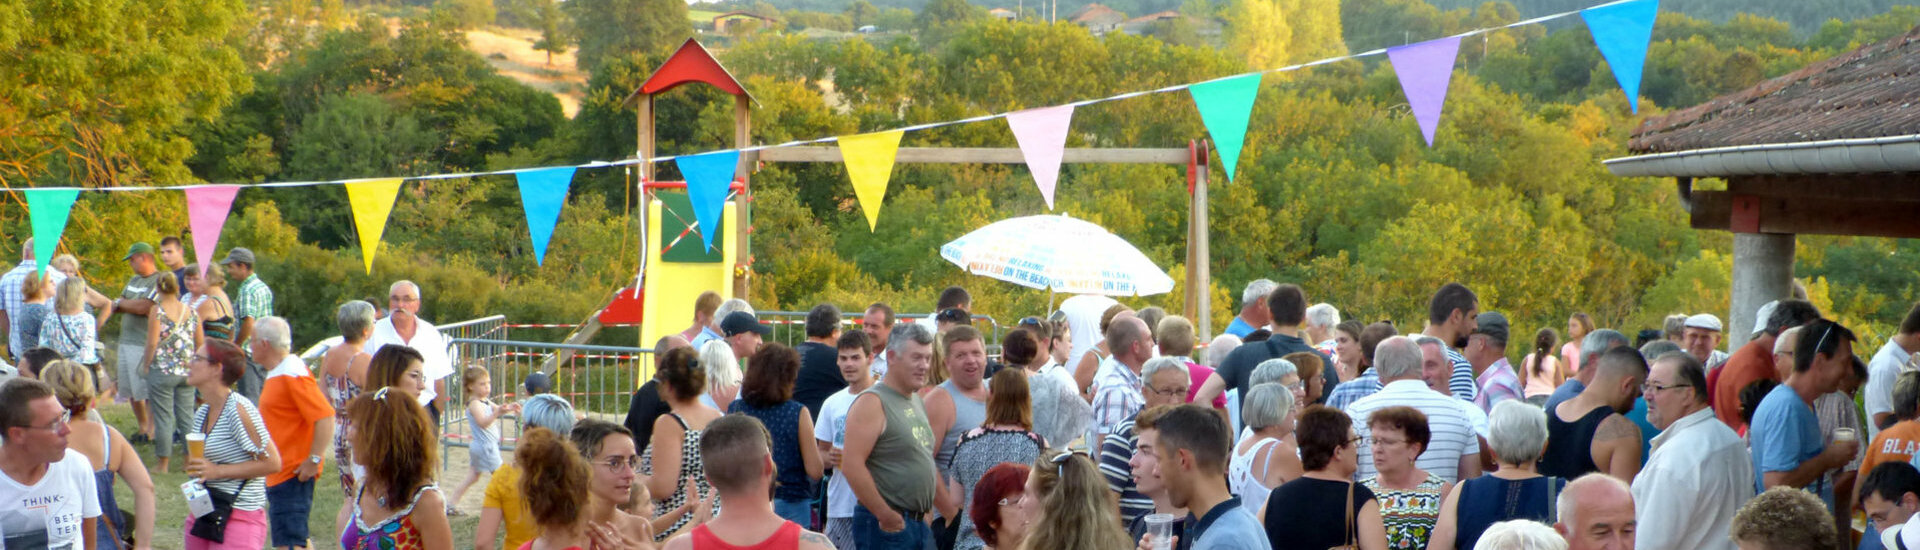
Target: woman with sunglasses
[238, 453]
[1324, 508]
[995, 508]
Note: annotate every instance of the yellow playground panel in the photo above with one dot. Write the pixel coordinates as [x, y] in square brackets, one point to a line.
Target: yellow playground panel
[679, 268]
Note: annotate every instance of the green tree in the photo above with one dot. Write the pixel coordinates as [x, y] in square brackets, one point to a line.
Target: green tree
[862, 13]
[610, 29]
[102, 93]
[465, 14]
[555, 30]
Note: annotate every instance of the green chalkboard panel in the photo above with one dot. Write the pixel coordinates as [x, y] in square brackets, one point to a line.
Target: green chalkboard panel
[680, 233]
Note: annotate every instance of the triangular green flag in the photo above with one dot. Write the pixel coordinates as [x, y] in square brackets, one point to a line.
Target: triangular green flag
[1225, 105]
[49, 209]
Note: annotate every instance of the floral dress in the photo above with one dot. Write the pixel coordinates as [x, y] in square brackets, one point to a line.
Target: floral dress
[395, 533]
[340, 391]
[176, 344]
[692, 485]
[1409, 514]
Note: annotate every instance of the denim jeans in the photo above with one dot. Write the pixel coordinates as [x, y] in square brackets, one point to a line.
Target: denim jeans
[867, 533]
[797, 511]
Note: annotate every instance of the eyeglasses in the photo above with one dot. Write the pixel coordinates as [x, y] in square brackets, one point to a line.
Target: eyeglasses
[55, 426]
[618, 463]
[1650, 387]
[1381, 441]
[1168, 392]
[1297, 385]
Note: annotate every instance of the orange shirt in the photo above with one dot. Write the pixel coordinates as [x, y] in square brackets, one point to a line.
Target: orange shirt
[290, 403]
[1897, 443]
[1749, 364]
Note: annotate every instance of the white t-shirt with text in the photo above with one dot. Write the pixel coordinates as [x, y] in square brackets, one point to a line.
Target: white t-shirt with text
[48, 514]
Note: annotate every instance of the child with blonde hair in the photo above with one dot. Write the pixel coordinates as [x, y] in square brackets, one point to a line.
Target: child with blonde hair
[483, 448]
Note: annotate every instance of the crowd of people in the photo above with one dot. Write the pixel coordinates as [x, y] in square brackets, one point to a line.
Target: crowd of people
[1093, 427]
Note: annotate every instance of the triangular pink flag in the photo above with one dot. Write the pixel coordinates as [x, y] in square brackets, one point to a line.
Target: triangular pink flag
[207, 208]
[1042, 134]
[1425, 70]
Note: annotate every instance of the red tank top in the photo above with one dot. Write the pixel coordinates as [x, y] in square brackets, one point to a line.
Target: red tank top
[787, 537]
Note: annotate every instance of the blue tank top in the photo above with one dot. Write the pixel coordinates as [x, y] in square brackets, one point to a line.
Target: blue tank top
[783, 423]
[1487, 500]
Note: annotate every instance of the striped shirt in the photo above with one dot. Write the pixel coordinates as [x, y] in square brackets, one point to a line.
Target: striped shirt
[1116, 398]
[1462, 383]
[1116, 451]
[1454, 433]
[227, 443]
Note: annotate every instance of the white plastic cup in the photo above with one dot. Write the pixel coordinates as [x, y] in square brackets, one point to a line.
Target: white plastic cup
[1845, 434]
[196, 445]
[1160, 526]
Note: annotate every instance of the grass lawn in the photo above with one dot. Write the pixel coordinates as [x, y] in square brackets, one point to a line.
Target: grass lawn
[171, 509]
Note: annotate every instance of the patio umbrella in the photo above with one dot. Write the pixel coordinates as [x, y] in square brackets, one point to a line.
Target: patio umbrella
[1059, 254]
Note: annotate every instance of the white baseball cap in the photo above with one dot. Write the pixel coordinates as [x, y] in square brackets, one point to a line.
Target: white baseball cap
[1760, 318]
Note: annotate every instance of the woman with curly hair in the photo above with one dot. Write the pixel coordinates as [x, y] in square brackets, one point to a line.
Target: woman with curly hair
[394, 441]
[557, 484]
[1072, 504]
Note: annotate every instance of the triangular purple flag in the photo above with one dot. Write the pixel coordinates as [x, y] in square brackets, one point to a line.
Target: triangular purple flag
[207, 209]
[709, 177]
[1042, 135]
[1425, 70]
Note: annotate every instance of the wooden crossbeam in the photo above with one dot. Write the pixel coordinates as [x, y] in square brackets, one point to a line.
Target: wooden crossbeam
[1836, 213]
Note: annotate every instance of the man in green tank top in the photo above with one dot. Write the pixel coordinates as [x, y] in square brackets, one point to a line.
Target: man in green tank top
[889, 450]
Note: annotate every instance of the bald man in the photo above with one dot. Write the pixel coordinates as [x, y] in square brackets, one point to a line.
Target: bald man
[1596, 513]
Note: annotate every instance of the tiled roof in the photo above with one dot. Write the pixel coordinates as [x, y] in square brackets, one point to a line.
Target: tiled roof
[1870, 92]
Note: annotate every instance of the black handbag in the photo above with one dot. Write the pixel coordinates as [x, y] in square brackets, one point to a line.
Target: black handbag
[213, 526]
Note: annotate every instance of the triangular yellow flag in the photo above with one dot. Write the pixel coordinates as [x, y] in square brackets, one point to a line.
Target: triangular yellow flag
[372, 202]
[869, 159]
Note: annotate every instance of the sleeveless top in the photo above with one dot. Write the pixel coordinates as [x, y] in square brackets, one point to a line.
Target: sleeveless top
[175, 350]
[1572, 456]
[967, 415]
[340, 391]
[692, 484]
[787, 537]
[1487, 500]
[221, 328]
[902, 458]
[1409, 514]
[111, 521]
[483, 452]
[783, 424]
[394, 533]
[1242, 479]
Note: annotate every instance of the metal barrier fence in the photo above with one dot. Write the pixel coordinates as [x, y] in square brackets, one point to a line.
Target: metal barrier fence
[598, 380]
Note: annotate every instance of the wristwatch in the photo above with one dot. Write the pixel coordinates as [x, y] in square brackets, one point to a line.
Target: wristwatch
[314, 460]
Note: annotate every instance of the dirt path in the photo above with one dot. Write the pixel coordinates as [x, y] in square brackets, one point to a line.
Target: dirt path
[511, 52]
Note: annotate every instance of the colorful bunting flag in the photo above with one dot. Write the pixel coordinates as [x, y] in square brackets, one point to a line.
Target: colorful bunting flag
[48, 209]
[1225, 106]
[1042, 135]
[1622, 32]
[372, 202]
[709, 177]
[207, 209]
[1425, 71]
[869, 159]
[542, 193]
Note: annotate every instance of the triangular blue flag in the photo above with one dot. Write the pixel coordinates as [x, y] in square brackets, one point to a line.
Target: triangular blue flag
[709, 177]
[1225, 106]
[1622, 31]
[542, 193]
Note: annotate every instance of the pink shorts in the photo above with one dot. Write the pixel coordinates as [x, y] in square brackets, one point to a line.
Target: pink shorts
[246, 530]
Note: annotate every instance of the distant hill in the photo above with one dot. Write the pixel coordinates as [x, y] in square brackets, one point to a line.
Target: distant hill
[1805, 16]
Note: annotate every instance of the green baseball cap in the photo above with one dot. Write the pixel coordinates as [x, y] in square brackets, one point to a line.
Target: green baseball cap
[137, 249]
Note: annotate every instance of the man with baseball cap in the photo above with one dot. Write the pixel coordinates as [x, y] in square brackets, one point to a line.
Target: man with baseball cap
[1487, 351]
[1701, 338]
[135, 302]
[254, 302]
[744, 332]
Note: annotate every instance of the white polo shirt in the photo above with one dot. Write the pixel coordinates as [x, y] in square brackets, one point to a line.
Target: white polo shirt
[426, 340]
